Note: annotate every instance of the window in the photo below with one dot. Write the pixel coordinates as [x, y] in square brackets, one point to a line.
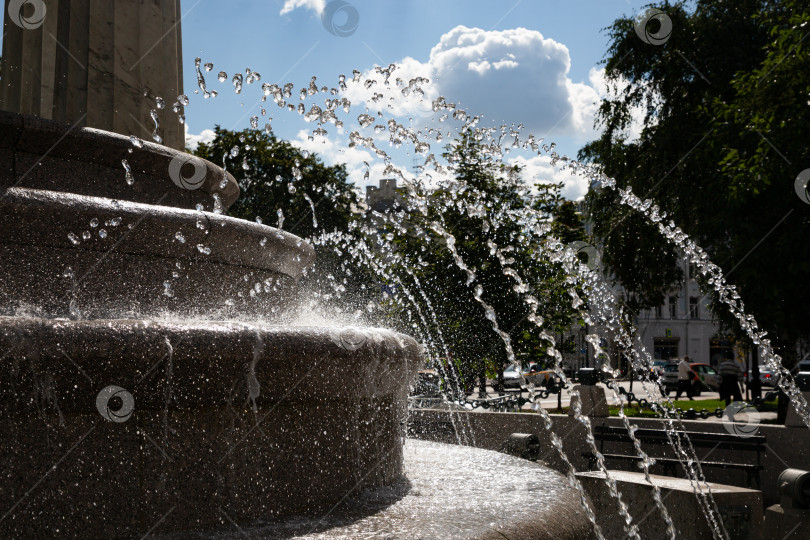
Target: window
[665, 348]
[657, 312]
[673, 307]
[694, 309]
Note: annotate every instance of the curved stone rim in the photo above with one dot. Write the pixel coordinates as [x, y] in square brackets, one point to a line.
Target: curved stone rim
[288, 363]
[38, 136]
[418, 506]
[234, 409]
[235, 241]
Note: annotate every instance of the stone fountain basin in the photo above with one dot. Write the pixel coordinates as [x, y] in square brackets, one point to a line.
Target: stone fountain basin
[56, 156]
[329, 418]
[126, 272]
[449, 492]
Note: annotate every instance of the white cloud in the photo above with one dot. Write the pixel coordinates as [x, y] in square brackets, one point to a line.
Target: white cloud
[538, 169]
[335, 151]
[599, 83]
[192, 140]
[315, 5]
[509, 76]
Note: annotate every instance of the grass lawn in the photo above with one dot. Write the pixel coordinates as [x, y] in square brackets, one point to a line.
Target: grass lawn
[698, 405]
[709, 404]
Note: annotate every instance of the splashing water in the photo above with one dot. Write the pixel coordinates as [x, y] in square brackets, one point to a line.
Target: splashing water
[201, 78]
[586, 290]
[127, 173]
[153, 114]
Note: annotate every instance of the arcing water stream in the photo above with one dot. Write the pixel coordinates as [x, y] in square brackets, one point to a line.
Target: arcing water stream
[365, 247]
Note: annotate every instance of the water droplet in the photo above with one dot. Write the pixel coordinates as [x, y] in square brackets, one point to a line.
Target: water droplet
[254, 122]
[153, 114]
[200, 78]
[203, 249]
[74, 239]
[86, 235]
[291, 188]
[159, 103]
[263, 242]
[136, 142]
[167, 289]
[94, 222]
[102, 233]
[180, 238]
[209, 66]
[182, 99]
[127, 172]
[222, 76]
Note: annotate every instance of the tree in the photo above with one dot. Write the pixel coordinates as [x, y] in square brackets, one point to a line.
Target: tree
[478, 211]
[274, 175]
[292, 189]
[708, 154]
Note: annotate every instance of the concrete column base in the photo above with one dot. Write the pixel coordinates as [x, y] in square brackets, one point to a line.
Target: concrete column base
[740, 508]
[784, 525]
[793, 419]
[593, 400]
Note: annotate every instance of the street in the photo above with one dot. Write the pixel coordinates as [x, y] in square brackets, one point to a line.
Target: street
[639, 389]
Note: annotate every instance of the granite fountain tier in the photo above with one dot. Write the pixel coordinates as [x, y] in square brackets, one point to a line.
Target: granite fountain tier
[133, 403]
[73, 232]
[252, 421]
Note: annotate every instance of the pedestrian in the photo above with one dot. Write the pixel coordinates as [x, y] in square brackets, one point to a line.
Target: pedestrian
[685, 375]
[730, 374]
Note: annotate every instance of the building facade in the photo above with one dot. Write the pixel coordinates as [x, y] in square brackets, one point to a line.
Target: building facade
[682, 326]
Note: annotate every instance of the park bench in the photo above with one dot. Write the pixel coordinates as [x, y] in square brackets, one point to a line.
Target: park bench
[712, 441]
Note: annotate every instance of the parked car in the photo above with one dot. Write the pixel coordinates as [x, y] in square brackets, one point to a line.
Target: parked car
[540, 377]
[767, 377]
[706, 378]
[533, 373]
[511, 378]
[657, 368]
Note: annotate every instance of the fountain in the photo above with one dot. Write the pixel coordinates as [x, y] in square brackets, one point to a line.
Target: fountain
[150, 381]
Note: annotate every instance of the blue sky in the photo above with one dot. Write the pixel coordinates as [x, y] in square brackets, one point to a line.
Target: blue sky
[529, 61]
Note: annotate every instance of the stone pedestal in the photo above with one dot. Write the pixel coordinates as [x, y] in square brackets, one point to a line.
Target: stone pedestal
[793, 419]
[740, 509]
[90, 62]
[593, 400]
[785, 525]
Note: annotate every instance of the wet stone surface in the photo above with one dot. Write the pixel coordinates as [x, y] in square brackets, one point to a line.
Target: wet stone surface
[448, 492]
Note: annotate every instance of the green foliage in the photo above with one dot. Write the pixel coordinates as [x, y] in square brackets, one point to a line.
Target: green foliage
[723, 138]
[264, 168]
[480, 209]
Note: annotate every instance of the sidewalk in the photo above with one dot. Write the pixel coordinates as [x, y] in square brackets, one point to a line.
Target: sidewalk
[550, 403]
